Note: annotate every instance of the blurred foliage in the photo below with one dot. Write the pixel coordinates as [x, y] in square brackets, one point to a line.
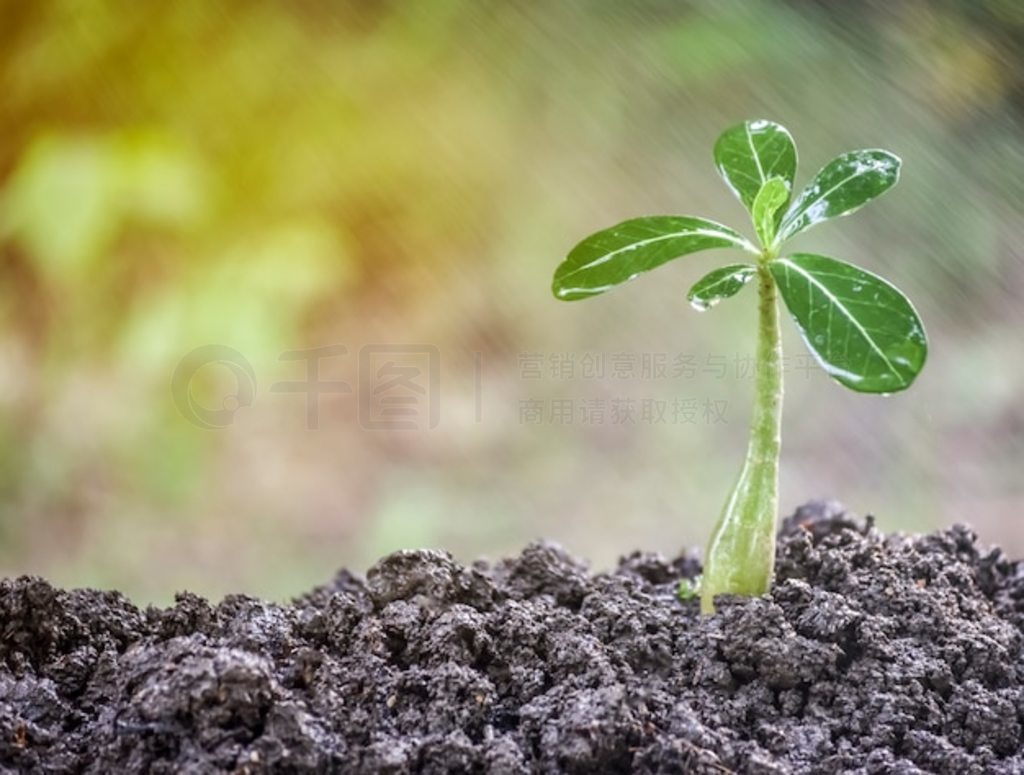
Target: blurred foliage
[273, 176]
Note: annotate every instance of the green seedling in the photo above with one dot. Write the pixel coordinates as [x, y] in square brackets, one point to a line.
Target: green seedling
[862, 330]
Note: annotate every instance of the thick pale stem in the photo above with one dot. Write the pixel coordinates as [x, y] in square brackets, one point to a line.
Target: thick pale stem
[741, 554]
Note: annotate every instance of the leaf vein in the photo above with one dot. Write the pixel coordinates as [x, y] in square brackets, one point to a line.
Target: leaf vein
[854, 323]
[605, 258]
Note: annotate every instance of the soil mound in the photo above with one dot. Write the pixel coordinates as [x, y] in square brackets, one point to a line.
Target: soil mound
[880, 653]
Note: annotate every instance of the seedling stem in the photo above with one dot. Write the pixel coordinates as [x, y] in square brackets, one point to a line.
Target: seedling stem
[741, 553]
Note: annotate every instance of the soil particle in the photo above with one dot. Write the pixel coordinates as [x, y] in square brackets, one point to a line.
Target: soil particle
[872, 653]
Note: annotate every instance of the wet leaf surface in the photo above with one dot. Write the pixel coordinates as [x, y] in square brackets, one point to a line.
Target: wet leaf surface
[616, 255]
[720, 284]
[749, 154]
[863, 330]
[843, 186]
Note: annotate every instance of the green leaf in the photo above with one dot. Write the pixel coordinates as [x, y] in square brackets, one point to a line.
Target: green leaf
[842, 186]
[720, 284]
[863, 330]
[769, 200]
[749, 154]
[616, 255]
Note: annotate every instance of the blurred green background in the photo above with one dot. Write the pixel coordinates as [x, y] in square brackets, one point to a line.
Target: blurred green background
[281, 176]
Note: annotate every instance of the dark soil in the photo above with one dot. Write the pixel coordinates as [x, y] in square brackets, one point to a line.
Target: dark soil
[873, 653]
